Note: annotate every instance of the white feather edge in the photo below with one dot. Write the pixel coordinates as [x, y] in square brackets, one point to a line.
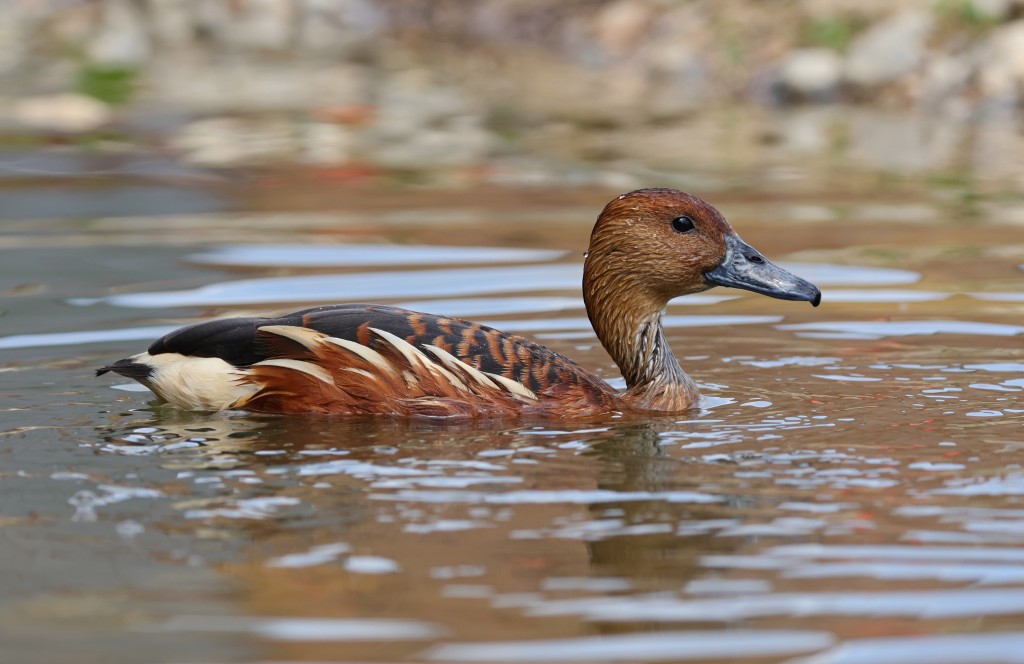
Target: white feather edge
[483, 377]
[458, 365]
[415, 357]
[311, 338]
[307, 368]
[300, 335]
[514, 387]
[365, 352]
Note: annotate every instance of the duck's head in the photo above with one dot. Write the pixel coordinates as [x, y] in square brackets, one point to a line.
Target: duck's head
[656, 244]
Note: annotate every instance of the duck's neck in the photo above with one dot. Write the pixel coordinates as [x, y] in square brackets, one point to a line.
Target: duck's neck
[627, 320]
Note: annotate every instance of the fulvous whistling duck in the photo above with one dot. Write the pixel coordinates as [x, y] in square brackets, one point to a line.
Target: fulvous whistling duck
[647, 247]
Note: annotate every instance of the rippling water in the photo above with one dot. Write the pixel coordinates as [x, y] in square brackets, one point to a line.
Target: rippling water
[850, 493]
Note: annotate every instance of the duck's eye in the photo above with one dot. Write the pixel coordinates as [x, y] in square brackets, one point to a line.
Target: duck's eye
[683, 224]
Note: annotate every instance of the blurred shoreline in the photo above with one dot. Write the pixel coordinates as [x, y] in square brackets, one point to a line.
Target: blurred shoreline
[596, 93]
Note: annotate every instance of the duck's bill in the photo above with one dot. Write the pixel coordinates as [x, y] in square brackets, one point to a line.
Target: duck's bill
[744, 267]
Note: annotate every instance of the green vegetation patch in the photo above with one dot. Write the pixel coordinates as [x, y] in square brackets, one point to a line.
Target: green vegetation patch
[112, 84]
[833, 33]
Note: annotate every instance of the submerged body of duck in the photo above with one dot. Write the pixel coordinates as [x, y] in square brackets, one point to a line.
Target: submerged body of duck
[647, 247]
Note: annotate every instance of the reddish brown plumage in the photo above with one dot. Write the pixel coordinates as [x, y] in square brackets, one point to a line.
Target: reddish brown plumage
[647, 247]
[418, 381]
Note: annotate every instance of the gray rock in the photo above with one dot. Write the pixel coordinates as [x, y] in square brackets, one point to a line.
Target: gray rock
[1001, 62]
[421, 124]
[335, 27]
[326, 143]
[172, 22]
[261, 25]
[236, 141]
[620, 26]
[811, 73]
[889, 50]
[943, 79]
[459, 143]
[14, 38]
[995, 10]
[122, 38]
[257, 87]
[69, 113]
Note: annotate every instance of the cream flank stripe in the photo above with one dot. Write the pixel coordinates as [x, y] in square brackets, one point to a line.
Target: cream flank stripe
[307, 368]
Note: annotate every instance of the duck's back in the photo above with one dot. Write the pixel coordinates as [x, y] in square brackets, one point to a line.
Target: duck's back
[367, 359]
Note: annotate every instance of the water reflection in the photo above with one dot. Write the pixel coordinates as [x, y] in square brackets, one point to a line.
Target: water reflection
[364, 255]
[663, 646]
[952, 648]
[440, 283]
[316, 630]
[881, 329]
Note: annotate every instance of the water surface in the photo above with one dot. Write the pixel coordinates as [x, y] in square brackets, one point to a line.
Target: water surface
[851, 492]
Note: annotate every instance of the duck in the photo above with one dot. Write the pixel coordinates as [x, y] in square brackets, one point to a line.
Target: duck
[647, 247]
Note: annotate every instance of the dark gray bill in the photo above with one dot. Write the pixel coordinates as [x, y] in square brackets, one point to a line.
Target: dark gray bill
[744, 267]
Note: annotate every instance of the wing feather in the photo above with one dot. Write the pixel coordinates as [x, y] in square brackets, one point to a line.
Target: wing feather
[385, 359]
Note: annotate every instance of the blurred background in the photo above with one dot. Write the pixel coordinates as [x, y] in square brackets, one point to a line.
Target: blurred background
[613, 94]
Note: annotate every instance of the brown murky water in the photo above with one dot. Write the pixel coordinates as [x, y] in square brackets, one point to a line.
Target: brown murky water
[850, 493]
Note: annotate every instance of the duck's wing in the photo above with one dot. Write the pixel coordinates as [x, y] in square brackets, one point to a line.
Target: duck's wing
[384, 353]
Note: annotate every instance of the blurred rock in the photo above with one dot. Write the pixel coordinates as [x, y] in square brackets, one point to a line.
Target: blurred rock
[13, 39]
[1001, 62]
[993, 10]
[333, 27]
[234, 141]
[412, 99]
[326, 143]
[172, 21]
[811, 73]
[620, 26]
[944, 79]
[420, 124]
[678, 59]
[535, 172]
[71, 113]
[121, 39]
[889, 49]
[74, 24]
[462, 143]
[249, 24]
[239, 86]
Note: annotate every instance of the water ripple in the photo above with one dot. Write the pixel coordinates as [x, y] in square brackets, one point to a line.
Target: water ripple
[648, 647]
